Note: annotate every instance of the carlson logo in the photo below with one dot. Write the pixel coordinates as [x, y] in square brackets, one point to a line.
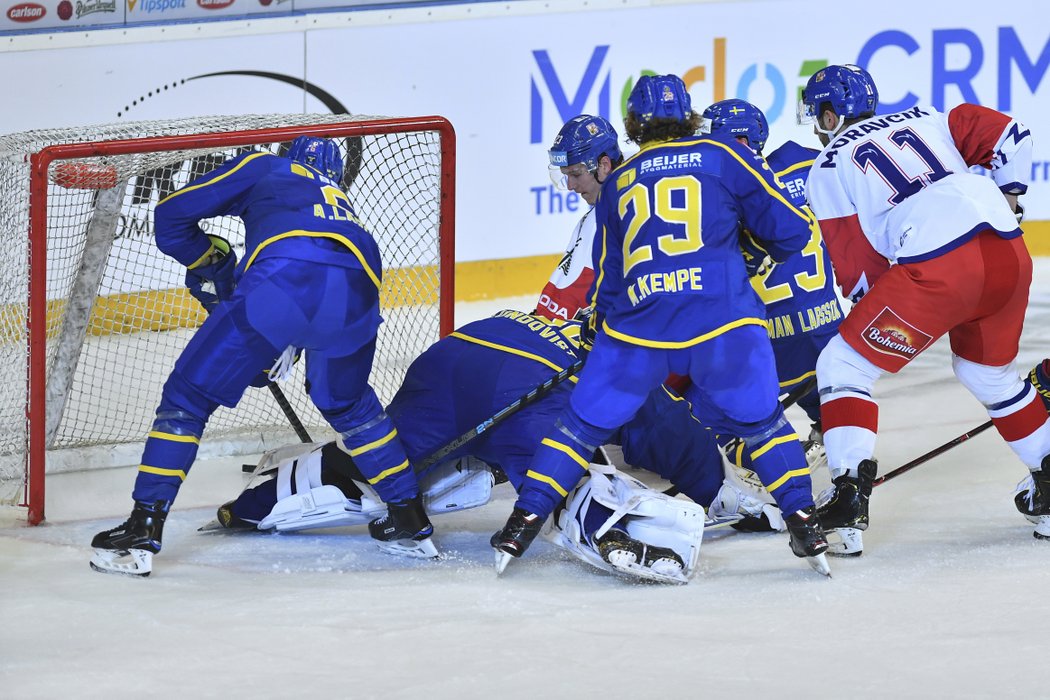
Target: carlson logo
[26, 12]
[892, 335]
[214, 4]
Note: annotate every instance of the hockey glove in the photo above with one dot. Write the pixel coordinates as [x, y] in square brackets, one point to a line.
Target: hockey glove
[588, 330]
[756, 259]
[210, 280]
[1040, 379]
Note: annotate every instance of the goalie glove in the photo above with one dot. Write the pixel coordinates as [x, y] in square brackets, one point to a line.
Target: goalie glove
[210, 279]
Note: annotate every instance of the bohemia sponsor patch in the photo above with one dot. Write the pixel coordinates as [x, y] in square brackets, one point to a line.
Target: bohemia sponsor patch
[892, 335]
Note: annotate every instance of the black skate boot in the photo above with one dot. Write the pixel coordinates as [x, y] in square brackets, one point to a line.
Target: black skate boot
[405, 530]
[636, 558]
[515, 537]
[1033, 501]
[129, 548]
[846, 513]
[807, 538]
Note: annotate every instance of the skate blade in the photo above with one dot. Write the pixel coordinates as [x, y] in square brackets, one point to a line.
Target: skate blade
[129, 562]
[820, 564]
[415, 549]
[634, 570]
[845, 542]
[502, 559]
[1042, 527]
[713, 523]
[215, 526]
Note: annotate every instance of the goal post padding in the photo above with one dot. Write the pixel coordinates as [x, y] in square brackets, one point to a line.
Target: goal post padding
[92, 315]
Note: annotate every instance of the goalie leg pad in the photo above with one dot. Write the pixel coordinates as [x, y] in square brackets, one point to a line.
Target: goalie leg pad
[745, 509]
[304, 502]
[648, 516]
[323, 506]
[743, 501]
[456, 485]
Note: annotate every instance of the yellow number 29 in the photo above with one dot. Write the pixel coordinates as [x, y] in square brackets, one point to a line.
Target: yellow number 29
[686, 214]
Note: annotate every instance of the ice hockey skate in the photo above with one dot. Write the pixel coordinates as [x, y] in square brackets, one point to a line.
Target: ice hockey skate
[515, 537]
[129, 548]
[405, 530]
[808, 540]
[1033, 500]
[843, 510]
[635, 558]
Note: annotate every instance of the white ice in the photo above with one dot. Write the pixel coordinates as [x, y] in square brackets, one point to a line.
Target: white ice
[950, 599]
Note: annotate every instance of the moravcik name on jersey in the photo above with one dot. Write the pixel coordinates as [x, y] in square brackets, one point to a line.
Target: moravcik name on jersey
[870, 126]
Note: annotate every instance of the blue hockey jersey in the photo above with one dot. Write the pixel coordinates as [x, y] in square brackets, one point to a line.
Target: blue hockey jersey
[799, 293]
[289, 210]
[670, 273]
[470, 375]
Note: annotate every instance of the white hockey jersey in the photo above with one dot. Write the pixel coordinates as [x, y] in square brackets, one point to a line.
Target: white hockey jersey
[566, 291]
[896, 188]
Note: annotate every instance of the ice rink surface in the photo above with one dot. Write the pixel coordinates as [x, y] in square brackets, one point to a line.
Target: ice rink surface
[949, 599]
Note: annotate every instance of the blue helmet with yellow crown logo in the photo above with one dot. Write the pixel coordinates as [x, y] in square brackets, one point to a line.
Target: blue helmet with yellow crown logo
[320, 154]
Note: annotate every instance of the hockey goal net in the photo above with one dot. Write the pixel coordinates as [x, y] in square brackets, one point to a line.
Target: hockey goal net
[92, 315]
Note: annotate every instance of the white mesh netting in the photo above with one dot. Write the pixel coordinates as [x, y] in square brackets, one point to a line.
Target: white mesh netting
[117, 315]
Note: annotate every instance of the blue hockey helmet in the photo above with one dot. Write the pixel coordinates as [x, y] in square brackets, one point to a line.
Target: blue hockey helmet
[320, 154]
[659, 97]
[585, 139]
[849, 90]
[737, 118]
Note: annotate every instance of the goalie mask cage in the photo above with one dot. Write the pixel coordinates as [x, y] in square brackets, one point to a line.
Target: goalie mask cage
[92, 315]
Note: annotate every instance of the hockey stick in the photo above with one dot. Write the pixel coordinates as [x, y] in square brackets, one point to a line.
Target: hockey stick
[932, 453]
[527, 400]
[787, 402]
[289, 412]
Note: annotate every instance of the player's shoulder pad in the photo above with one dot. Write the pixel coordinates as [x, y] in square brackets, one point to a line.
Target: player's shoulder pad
[790, 154]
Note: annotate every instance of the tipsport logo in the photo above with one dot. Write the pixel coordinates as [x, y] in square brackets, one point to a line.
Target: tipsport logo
[594, 92]
[150, 6]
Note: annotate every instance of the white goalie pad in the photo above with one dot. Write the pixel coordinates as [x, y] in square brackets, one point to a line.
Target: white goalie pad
[304, 502]
[649, 516]
[743, 495]
[456, 485]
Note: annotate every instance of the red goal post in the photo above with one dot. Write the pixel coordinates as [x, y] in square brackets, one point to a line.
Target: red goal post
[401, 180]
